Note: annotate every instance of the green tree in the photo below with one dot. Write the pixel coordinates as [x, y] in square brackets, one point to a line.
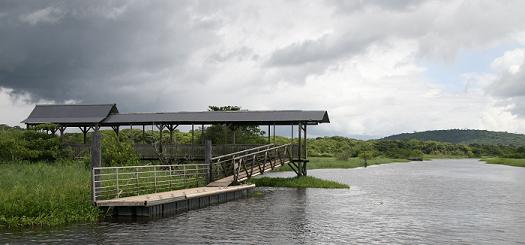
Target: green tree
[223, 134]
[366, 152]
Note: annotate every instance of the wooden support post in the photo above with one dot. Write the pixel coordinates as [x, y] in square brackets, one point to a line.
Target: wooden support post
[61, 129]
[117, 130]
[305, 153]
[305, 144]
[96, 160]
[192, 140]
[269, 134]
[171, 128]
[143, 134]
[202, 134]
[207, 160]
[85, 130]
[161, 128]
[274, 133]
[234, 134]
[299, 151]
[292, 136]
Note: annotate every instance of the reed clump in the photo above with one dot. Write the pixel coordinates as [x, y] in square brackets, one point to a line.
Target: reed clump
[45, 194]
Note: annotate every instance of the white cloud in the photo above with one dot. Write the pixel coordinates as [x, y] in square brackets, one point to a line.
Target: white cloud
[45, 15]
[14, 108]
[510, 62]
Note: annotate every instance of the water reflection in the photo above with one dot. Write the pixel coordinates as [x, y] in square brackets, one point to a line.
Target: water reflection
[446, 201]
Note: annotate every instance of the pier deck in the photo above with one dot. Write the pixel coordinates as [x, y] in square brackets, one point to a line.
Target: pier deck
[174, 202]
[170, 196]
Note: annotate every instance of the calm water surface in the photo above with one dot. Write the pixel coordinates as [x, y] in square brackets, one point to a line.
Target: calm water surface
[442, 201]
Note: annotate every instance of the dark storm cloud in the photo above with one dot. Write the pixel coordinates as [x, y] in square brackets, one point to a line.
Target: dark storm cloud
[89, 50]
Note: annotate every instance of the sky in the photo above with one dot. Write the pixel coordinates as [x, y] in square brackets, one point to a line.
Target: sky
[377, 67]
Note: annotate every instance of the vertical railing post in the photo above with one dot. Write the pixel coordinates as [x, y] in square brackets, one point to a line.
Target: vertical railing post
[118, 189]
[207, 160]
[137, 177]
[171, 178]
[155, 182]
[96, 159]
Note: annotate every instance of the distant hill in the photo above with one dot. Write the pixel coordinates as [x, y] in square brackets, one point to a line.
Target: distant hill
[463, 136]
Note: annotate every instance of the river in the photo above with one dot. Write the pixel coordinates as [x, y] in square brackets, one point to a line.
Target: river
[430, 202]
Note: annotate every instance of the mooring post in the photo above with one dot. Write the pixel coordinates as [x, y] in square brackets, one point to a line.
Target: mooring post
[96, 159]
[207, 160]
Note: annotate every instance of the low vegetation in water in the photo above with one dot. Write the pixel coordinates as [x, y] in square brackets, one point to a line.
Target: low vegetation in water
[298, 182]
[44, 194]
[505, 161]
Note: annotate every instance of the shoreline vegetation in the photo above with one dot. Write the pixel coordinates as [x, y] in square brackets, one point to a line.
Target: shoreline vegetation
[505, 161]
[298, 182]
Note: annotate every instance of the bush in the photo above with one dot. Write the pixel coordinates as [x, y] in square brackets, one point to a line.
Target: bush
[115, 153]
[30, 145]
[343, 156]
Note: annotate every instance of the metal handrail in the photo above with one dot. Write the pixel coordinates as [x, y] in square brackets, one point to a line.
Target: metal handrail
[235, 153]
[115, 182]
[267, 150]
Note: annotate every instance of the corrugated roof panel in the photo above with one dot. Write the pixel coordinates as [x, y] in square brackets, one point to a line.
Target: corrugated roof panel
[70, 113]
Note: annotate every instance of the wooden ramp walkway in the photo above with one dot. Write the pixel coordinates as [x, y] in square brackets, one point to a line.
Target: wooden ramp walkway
[240, 166]
[244, 175]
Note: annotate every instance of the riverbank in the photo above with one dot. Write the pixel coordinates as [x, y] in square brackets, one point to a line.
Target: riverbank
[298, 182]
[45, 194]
[520, 162]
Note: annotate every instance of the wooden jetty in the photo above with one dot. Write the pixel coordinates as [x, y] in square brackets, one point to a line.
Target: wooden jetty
[174, 202]
[212, 174]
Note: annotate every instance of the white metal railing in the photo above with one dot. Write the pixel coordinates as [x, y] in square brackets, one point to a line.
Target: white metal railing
[116, 182]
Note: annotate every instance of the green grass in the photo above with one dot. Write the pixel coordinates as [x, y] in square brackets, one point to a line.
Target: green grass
[330, 162]
[44, 194]
[505, 161]
[298, 182]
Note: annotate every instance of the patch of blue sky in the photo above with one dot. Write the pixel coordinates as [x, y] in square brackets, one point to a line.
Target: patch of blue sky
[447, 73]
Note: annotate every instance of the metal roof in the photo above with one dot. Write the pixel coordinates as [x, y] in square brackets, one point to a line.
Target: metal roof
[107, 115]
[70, 114]
[214, 117]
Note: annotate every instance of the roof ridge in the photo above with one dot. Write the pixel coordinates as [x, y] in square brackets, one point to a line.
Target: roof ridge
[114, 104]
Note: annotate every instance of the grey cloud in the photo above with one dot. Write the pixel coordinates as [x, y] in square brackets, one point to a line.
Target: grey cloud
[511, 88]
[326, 48]
[96, 47]
[396, 5]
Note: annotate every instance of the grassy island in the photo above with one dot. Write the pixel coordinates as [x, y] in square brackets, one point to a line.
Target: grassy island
[298, 182]
[516, 162]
